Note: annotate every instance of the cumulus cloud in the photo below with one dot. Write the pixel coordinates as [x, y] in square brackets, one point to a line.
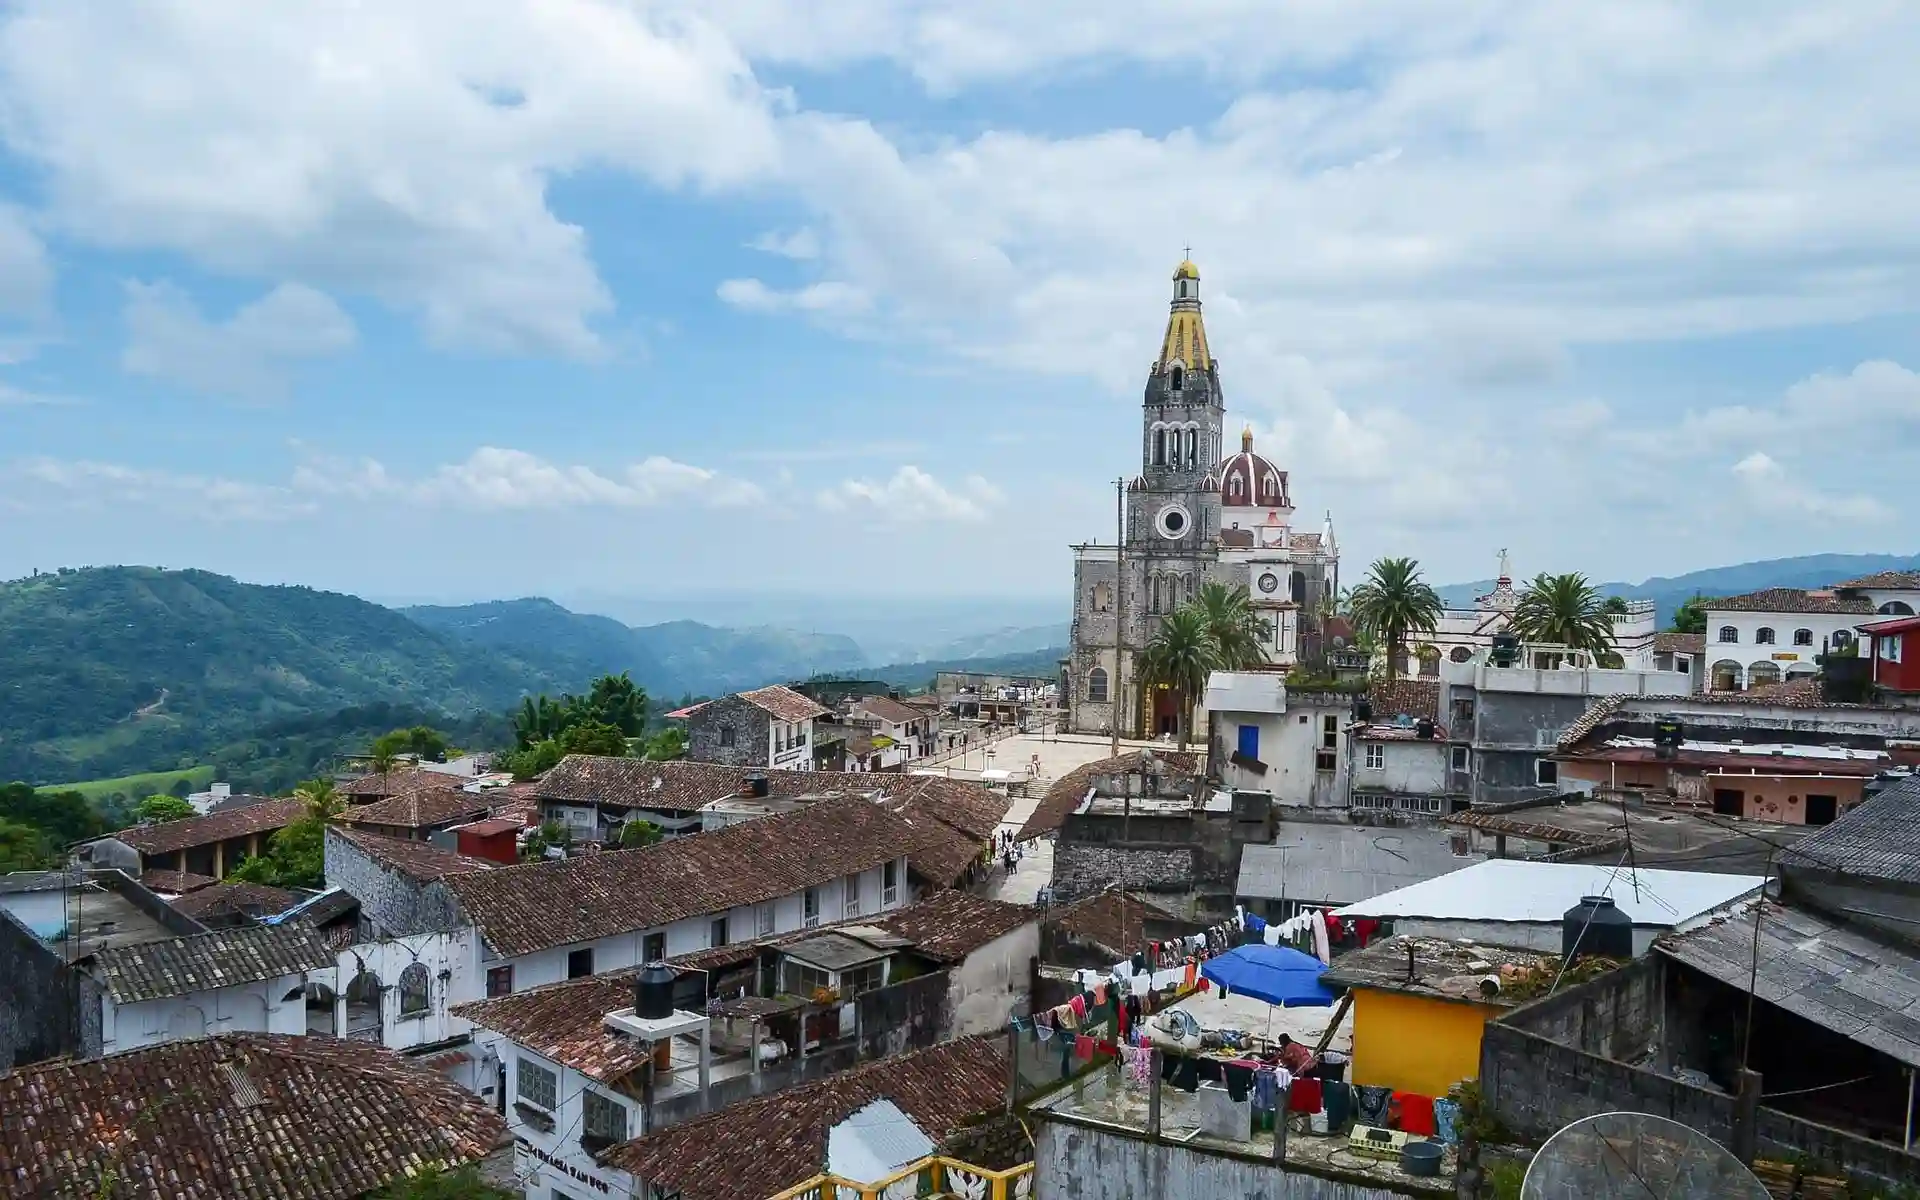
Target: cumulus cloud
[1769, 486]
[820, 299]
[398, 151]
[800, 245]
[102, 484]
[913, 495]
[247, 356]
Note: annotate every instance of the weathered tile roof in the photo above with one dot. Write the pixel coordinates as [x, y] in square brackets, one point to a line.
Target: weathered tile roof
[1803, 692]
[763, 1146]
[235, 899]
[177, 883]
[1680, 643]
[887, 709]
[1878, 840]
[638, 783]
[1888, 580]
[421, 809]
[236, 1117]
[1403, 697]
[1070, 789]
[1113, 920]
[784, 703]
[952, 924]
[1789, 600]
[170, 836]
[204, 961]
[536, 905]
[563, 1022]
[423, 862]
[397, 782]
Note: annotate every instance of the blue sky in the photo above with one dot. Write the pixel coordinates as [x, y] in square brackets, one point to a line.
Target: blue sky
[460, 300]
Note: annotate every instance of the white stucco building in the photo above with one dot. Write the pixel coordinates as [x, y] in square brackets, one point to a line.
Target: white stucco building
[1290, 746]
[1777, 634]
[251, 980]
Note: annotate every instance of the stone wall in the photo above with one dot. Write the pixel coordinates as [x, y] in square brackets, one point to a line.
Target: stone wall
[47, 1010]
[1554, 1062]
[1080, 868]
[1076, 1162]
[392, 904]
[751, 727]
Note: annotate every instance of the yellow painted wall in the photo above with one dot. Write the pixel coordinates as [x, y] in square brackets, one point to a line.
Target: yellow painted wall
[1413, 1043]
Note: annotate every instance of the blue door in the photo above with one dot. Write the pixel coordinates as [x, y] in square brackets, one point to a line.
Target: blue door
[1250, 741]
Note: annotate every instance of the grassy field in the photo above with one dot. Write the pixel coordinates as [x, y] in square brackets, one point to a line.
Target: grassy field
[159, 781]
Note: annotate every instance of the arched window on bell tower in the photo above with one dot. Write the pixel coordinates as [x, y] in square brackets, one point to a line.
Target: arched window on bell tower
[1160, 447]
[1176, 377]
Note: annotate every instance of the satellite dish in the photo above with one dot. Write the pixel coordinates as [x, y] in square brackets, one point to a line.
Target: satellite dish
[1629, 1154]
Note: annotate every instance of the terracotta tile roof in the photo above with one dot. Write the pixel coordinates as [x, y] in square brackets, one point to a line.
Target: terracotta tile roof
[763, 1146]
[536, 905]
[637, 783]
[422, 809]
[1789, 600]
[423, 862]
[562, 1022]
[950, 925]
[1595, 716]
[170, 836]
[1113, 920]
[204, 961]
[397, 782]
[1070, 789]
[235, 899]
[1680, 643]
[947, 843]
[783, 703]
[177, 883]
[1887, 580]
[1414, 698]
[236, 1117]
[887, 709]
[1802, 692]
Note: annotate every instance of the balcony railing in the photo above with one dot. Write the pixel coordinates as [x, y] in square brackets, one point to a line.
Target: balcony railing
[933, 1176]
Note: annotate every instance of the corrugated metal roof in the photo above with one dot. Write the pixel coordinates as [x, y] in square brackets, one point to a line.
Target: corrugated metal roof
[1876, 840]
[1525, 892]
[1343, 864]
[1833, 975]
[875, 1142]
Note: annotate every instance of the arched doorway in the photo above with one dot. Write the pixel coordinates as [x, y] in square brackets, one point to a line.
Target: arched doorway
[188, 1021]
[320, 1004]
[363, 1007]
[1726, 676]
[1762, 673]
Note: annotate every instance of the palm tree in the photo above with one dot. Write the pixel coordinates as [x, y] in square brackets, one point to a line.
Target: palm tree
[1236, 629]
[1565, 610]
[1182, 655]
[320, 800]
[1393, 603]
[382, 760]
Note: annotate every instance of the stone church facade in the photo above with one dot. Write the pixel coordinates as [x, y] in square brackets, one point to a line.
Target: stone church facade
[1194, 514]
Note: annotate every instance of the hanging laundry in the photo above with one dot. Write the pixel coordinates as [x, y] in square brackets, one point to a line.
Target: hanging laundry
[1370, 1104]
[1083, 1048]
[1304, 1096]
[1079, 1006]
[1416, 1113]
[1320, 948]
[1239, 1081]
[1446, 1120]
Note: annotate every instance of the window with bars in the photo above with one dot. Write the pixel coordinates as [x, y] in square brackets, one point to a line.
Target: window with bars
[763, 920]
[810, 908]
[1376, 757]
[603, 1117]
[536, 1085]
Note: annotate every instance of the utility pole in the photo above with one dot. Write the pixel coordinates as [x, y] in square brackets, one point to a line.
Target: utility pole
[1119, 602]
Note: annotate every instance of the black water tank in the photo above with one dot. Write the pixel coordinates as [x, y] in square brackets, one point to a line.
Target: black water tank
[1363, 709]
[1506, 648]
[1608, 932]
[653, 992]
[1423, 728]
[755, 784]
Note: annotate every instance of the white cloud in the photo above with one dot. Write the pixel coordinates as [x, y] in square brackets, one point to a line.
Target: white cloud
[820, 299]
[26, 276]
[400, 151]
[247, 356]
[913, 495]
[800, 245]
[495, 478]
[112, 485]
[1768, 484]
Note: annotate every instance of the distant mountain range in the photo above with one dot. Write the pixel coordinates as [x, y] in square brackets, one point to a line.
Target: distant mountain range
[115, 670]
[1669, 592]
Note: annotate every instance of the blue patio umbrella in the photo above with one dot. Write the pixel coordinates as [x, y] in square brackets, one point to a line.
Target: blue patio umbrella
[1277, 974]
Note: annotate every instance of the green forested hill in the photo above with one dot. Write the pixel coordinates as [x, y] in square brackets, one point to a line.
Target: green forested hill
[112, 669]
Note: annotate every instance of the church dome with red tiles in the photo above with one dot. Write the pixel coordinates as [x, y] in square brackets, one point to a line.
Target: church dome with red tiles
[1250, 481]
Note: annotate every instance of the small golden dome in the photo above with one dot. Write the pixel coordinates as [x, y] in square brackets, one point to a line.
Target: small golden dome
[1186, 270]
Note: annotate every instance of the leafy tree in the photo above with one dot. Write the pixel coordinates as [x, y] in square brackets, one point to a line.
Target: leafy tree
[617, 701]
[1235, 628]
[422, 741]
[23, 848]
[1691, 616]
[296, 855]
[155, 809]
[1392, 604]
[1181, 656]
[1615, 606]
[181, 787]
[461, 1184]
[640, 833]
[552, 833]
[535, 760]
[1564, 610]
[62, 818]
[592, 737]
[667, 745]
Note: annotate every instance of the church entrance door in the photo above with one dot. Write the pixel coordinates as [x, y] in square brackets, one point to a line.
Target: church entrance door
[1166, 712]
